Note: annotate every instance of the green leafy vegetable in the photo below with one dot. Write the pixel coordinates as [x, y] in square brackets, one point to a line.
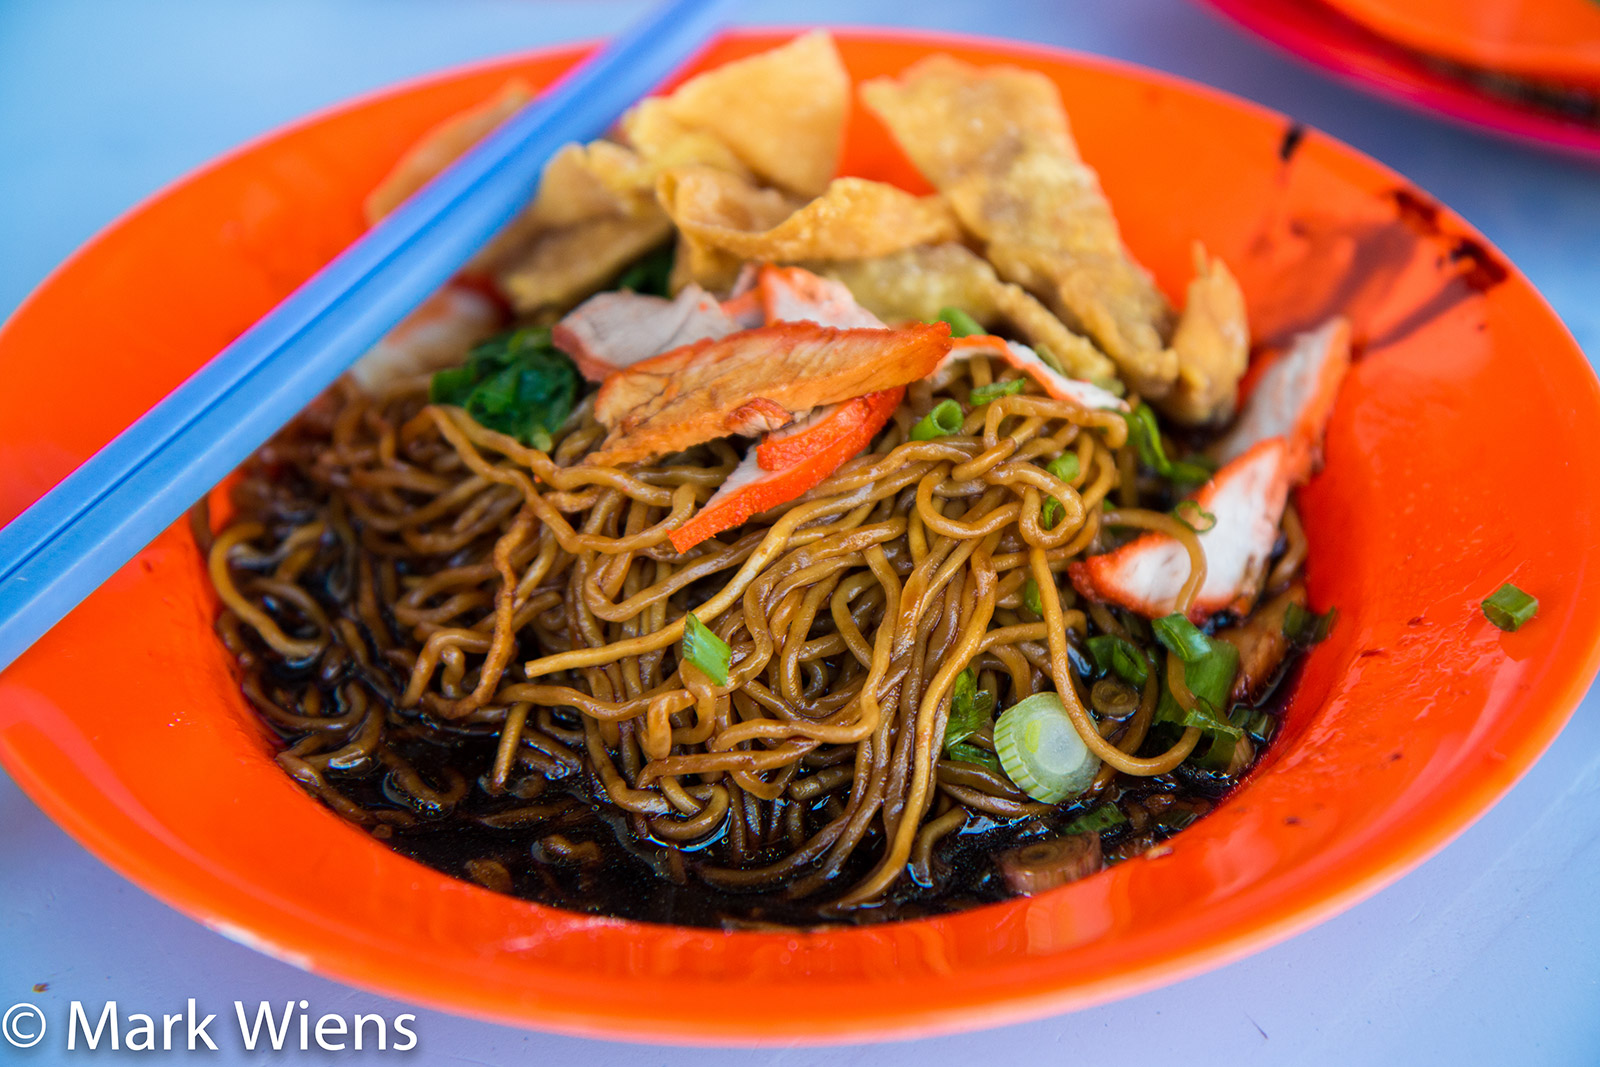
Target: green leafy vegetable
[995, 390]
[1146, 437]
[1097, 821]
[1120, 656]
[961, 324]
[1192, 515]
[1508, 607]
[1305, 628]
[650, 274]
[944, 419]
[1181, 637]
[705, 649]
[1030, 598]
[970, 708]
[962, 752]
[518, 384]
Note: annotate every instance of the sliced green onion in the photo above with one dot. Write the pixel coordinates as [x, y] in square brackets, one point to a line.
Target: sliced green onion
[1040, 750]
[1117, 654]
[995, 390]
[1509, 607]
[1192, 515]
[944, 419]
[1181, 637]
[1219, 754]
[1305, 628]
[961, 324]
[1097, 821]
[1188, 473]
[1210, 678]
[963, 752]
[705, 650]
[1065, 467]
[969, 709]
[1146, 437]
[1030, 598]
[1200, 716]
[1174, 819]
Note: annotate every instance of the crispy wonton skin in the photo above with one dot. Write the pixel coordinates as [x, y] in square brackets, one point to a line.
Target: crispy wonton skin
[725, 220]
[781, 112]
[996, 142]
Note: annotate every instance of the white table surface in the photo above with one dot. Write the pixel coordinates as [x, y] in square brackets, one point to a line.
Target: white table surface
[1487, 954]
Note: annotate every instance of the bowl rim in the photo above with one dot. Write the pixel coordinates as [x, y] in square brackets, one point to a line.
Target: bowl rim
[183, 891]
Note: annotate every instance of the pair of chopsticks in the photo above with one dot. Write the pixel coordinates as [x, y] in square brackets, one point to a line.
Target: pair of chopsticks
[77, 535]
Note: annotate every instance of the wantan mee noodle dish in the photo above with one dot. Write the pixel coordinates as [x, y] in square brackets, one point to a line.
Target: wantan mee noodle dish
[736, 544]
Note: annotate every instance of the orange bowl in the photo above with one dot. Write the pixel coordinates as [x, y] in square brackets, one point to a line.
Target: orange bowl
[126, 725]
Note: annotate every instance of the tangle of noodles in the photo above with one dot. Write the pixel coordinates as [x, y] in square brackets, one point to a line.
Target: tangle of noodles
[459, 636]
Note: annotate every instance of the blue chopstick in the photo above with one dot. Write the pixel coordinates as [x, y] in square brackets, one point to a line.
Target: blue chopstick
[77, 535]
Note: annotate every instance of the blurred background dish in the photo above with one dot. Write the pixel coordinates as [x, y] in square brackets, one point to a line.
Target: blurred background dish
[1388, 47]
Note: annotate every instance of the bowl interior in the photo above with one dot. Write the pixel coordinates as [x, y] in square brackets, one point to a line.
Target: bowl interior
[1408, 722]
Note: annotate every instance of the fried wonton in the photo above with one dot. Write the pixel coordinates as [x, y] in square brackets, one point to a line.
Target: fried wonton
[917, 283]
[777, 117]
[996, 142]
[781, 112]
[725, 220]
[1212, 344]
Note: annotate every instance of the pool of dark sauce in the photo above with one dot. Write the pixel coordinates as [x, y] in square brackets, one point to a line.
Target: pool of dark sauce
[558, 842]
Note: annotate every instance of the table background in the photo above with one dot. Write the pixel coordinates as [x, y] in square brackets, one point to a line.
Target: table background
[1486, 954]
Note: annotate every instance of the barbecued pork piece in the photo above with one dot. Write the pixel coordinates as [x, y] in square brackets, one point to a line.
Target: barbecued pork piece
[691, 394]
[613, 330]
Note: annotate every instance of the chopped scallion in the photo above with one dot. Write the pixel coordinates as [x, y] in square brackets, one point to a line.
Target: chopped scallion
[1121, 656]
[1192, 515]
[705, 649]
[1146, 437]
[1305, 628]
[1181, 637]
[1030, 598]
[995, 390]
[943, 420]
[961, 324]
[1040, 749]
[963, 752]
[1064, 467]
[969, 709]
[1097, 821]
[1509, 607]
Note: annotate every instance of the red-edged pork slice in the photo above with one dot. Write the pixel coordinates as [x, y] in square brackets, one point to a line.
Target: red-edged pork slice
[1029, 362]
[1247, 497]
[688, 395]
[610, 331]
[1293, 397]
[794, 294]
[437, 334]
